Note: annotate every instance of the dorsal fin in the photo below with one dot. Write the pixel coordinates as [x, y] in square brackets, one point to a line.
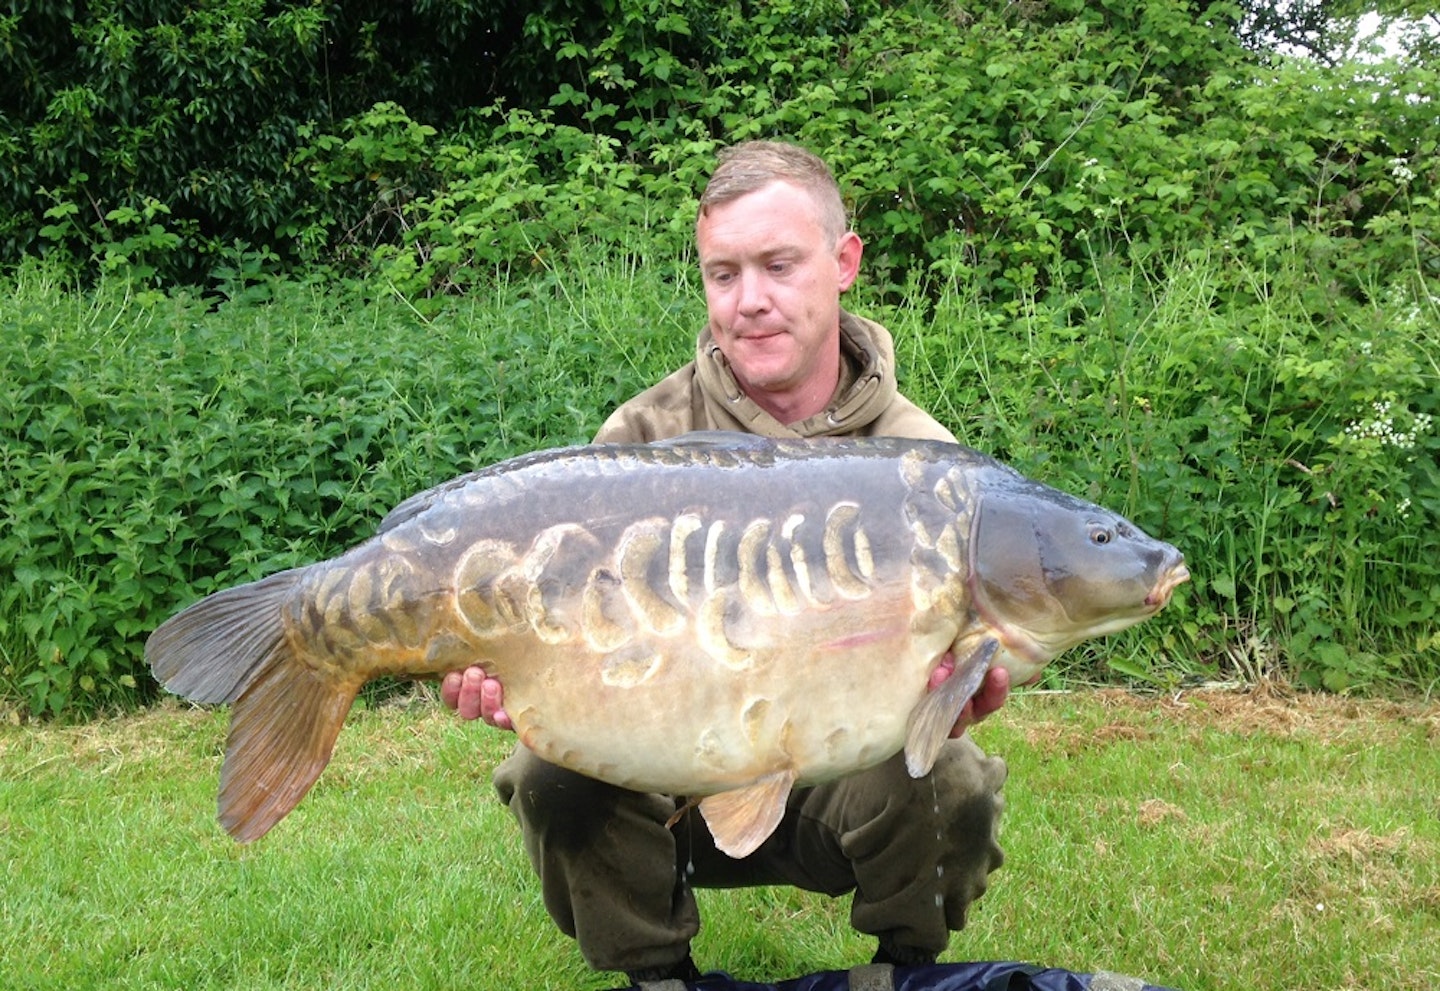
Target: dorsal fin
[729, 440]
[421, 501]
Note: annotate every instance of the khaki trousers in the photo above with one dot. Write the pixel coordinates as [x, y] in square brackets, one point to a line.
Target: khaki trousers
[915, 853]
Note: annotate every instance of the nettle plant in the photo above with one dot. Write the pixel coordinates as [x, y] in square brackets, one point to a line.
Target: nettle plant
[1348, 579]
[1377, 483]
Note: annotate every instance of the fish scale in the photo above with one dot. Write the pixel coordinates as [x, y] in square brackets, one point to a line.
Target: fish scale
[738, 615]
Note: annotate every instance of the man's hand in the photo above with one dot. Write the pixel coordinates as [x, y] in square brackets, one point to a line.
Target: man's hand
[994, 690]
[475, 695]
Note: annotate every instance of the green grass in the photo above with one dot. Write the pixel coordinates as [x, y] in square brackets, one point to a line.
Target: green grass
[1202, 841]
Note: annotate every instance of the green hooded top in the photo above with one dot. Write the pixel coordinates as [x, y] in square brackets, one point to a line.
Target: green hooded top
[704, 395]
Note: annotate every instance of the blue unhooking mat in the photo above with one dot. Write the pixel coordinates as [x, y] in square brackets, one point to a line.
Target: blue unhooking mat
[992, 976]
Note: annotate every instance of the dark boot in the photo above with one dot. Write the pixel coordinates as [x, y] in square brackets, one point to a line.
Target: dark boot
[902, 956]
[683, 969]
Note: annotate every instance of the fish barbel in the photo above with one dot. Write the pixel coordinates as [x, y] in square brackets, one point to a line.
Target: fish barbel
[720, 616]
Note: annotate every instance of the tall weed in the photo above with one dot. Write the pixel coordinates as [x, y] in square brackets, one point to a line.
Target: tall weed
[155, 449]
[1279, 430]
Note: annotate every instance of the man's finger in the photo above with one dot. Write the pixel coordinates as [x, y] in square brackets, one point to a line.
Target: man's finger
[492, 702]
[470, 702]
[993, 692]
[450, 689]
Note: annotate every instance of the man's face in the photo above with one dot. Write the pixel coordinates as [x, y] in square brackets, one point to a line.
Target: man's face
[773, 281]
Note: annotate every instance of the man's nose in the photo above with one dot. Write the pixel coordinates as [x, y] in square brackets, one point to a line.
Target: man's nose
[754, 292]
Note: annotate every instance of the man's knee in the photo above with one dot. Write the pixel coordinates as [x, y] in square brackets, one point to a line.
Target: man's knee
[963, 787]
[552, 802]
[967, 786]
[970, 785]
[566, 810]
[923, 848]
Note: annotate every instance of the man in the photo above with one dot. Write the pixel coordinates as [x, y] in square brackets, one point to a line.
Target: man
[779, 357]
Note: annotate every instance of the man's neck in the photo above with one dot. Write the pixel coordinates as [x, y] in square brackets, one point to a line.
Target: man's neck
[813, 397]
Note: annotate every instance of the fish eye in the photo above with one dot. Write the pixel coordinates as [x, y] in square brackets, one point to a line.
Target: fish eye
[1101, 535]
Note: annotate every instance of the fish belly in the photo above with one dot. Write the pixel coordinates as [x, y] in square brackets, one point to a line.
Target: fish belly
[817, 695]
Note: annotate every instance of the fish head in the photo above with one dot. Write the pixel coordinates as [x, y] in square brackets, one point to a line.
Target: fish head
[1049, 570]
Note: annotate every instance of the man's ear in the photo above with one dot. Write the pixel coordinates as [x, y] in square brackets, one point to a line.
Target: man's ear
[847, 256]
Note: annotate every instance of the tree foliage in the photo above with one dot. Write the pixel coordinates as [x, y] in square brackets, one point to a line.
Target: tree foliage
[153, 135]
[432, 142]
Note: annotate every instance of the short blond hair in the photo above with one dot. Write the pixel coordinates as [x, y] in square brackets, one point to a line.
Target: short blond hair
[752, 165]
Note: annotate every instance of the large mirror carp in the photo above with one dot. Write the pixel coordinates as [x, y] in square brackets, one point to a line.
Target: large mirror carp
[720, 616]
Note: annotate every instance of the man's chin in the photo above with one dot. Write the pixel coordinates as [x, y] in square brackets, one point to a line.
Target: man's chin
[764, 361]
[771, 381]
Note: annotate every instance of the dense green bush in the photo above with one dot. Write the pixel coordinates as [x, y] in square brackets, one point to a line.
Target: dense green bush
[156, 136]
[156, 449]
[1003, 147]
[432, 144]
[143, 136]
[1295, 460]
[153, 450]
[1129, 254]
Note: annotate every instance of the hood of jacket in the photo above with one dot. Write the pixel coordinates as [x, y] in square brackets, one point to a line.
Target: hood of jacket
[866, 389]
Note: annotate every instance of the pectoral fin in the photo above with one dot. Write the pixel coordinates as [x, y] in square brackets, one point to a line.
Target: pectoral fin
[742, 819]
[934, 717]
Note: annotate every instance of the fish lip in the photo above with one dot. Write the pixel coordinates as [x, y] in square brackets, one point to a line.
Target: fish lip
[1172, 579]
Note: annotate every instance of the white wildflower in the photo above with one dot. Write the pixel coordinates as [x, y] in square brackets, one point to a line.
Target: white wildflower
[1382, 429]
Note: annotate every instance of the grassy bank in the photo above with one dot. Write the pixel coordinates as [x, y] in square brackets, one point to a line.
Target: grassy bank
[1204, 841]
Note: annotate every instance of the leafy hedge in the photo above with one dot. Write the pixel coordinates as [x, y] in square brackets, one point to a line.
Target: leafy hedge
[156, 136]
[1003, 147]
[156, 449]
[1285, 437]
[433, 143]
[1122, 250]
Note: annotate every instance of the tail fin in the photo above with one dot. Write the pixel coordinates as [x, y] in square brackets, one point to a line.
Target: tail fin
[282, 732]
[230, 647]
[213, 650]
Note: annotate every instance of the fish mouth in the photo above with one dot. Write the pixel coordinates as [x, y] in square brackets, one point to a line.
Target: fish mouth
[1160, 595]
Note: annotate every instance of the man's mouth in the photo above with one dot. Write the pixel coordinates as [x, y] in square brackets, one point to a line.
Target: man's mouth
[758, 334]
